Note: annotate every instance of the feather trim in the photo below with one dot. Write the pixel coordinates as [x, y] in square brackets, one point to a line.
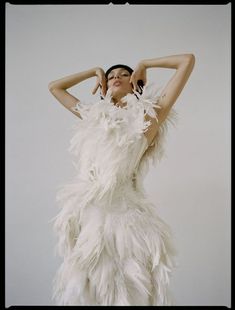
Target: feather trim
[116, 249]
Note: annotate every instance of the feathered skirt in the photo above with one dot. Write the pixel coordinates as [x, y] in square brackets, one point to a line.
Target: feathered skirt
[116, 252]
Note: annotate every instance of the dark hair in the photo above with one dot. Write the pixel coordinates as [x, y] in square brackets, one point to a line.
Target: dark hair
[129, 69]
[118, 66]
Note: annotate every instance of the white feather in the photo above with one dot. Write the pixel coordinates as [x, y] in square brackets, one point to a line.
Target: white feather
[116, 249]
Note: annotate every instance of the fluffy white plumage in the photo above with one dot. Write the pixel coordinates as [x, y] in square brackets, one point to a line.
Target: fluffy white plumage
[115, 248]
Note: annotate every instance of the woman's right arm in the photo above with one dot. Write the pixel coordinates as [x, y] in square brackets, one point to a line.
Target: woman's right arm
[58, 88]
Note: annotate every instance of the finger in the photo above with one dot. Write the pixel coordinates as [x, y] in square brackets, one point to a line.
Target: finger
[95, 88]
[103, 86]
[140, 85]
[134, 85]
[132, 79]
[134, 82]
[104, 89]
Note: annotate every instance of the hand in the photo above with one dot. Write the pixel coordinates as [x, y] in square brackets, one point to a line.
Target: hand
[100, 82]
[139, 73]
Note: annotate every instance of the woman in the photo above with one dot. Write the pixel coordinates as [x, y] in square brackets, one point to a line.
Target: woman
[115, 248]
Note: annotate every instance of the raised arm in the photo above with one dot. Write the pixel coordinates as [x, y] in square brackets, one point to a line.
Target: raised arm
[58, 88]
[182, 63]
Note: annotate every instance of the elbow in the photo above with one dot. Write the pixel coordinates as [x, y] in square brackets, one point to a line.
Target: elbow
[51, 86]
[190, 59]
[189, 62]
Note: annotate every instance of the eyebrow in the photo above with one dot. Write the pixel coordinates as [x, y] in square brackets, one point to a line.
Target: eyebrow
[121, 69]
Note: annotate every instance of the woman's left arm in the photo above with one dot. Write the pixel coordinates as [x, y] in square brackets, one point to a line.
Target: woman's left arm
[182, 63]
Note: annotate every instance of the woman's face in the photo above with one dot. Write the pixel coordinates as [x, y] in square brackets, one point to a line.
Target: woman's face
[118, 80]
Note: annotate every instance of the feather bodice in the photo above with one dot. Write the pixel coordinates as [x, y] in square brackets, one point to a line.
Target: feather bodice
[109, 141]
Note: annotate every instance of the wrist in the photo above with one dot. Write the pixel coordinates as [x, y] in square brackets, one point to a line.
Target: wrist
[94, 71]
[143, 64]
[98, 70]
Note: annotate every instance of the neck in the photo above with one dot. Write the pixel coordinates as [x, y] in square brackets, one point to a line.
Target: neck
[118, 102]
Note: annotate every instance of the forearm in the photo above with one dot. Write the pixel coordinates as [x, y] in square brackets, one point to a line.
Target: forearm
[71, 80]
[171, 62]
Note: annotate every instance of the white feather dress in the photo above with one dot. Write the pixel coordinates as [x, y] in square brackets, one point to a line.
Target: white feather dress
[116, 249]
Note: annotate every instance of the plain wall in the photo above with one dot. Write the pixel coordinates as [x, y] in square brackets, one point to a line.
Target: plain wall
[191, 185]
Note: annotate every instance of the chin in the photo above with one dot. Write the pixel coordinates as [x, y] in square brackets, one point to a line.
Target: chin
[121, 93]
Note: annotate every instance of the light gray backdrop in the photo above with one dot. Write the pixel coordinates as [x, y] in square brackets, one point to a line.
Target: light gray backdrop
[191, 186]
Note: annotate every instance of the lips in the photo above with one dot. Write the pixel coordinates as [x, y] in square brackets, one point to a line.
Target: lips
[117, 83]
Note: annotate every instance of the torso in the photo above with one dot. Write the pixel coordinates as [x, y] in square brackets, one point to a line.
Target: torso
[152, 129]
